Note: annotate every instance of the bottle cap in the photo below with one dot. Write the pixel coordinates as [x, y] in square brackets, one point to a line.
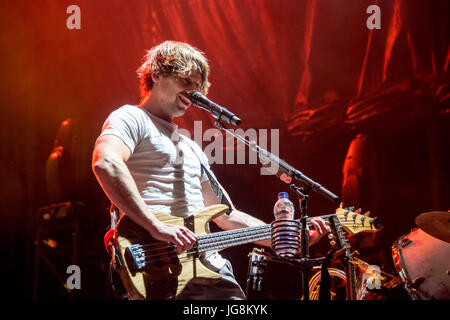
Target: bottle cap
[283, 195]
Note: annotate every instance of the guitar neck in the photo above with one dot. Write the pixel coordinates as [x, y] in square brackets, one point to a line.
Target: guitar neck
[226, 239]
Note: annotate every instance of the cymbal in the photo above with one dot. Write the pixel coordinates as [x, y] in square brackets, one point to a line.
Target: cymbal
[436, 224]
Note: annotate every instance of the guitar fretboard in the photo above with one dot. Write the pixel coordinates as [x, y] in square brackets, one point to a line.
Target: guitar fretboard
[225, 239]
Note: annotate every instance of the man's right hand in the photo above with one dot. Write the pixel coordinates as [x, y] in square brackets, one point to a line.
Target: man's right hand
[180, 236]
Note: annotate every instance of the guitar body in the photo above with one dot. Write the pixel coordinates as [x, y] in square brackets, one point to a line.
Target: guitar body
[165, 274]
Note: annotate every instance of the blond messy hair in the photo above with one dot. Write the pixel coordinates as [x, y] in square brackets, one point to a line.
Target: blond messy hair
[172, 57]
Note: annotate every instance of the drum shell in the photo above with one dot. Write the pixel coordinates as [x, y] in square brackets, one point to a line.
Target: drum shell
[423, 264]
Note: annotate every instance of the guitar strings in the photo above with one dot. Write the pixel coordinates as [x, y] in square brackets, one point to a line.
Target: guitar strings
[231, 237]
[166, 256]
[233, 234]
[268, 226]
[226, 237]
[217, 245]
[148, 248]
[157, 246]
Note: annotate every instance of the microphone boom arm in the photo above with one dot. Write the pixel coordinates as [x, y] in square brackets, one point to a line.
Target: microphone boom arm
[283, 166]
[218, 112]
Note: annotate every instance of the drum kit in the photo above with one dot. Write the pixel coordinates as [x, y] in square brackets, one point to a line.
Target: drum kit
[421, 259]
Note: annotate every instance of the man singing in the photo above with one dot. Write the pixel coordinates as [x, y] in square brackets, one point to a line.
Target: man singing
[145, 166]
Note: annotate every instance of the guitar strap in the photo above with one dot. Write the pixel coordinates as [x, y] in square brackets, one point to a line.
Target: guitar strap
[115, 264]
[215, 185]
[217, 188]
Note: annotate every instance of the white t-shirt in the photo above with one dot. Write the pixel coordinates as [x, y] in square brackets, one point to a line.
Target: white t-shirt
[167, 172]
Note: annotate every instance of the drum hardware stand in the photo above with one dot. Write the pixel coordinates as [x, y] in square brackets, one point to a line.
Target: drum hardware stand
[57, 217]
[256, 279]
[416, 293]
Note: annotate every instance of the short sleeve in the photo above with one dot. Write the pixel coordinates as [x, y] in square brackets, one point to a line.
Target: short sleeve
[127, 124]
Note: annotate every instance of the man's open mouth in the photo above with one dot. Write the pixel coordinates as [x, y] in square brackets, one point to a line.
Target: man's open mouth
[185, 100]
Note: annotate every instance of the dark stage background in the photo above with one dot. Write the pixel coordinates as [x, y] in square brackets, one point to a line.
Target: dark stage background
[312, 69]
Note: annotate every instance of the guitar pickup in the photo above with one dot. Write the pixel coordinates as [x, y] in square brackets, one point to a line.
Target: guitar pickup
[135, 257]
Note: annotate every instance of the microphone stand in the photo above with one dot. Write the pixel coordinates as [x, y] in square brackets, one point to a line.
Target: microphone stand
[305, 264]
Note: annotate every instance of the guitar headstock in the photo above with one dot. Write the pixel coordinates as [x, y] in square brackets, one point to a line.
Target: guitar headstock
[354, 223]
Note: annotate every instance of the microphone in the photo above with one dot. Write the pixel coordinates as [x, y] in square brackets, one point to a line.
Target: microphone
[218, 112]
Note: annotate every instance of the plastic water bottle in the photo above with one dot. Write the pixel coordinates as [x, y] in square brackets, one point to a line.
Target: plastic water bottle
[285, 238]
[284, 208]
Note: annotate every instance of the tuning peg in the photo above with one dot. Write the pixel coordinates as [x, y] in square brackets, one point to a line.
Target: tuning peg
[362, 219]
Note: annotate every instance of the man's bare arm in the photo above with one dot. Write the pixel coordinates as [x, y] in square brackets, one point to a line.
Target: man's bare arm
[109, 166]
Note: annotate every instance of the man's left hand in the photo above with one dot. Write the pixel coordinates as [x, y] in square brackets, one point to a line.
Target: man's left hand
[321, 229]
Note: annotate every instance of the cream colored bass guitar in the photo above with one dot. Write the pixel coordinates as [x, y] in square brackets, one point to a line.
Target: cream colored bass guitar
[151, 269]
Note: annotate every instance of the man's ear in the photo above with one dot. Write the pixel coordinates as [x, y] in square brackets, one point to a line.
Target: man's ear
[155, 77]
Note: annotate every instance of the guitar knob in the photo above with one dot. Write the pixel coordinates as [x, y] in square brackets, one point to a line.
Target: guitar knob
[330, 236]
[333, 243]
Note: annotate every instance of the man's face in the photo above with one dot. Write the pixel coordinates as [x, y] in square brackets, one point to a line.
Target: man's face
[173, 92]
